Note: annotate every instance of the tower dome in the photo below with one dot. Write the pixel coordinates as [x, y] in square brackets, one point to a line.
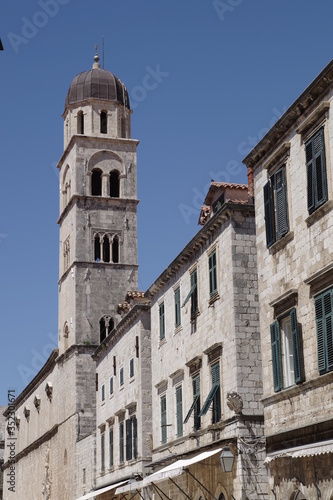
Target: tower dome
[98, 84]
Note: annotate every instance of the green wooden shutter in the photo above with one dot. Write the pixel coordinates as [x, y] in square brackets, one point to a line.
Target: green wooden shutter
[310, 176]
[212, 273]
[179, 411]
[269, 214]
[320, 327]
[177, 307]
[197, 402]
[194, 295]
[121, 442]
[296, 347]
[135, 436]
[162, 323]
[276, 356]
[103, 451]
[320, 167]
[215, 370]
[128, 439]
[111, 447]
[281, 202]
[163, 420]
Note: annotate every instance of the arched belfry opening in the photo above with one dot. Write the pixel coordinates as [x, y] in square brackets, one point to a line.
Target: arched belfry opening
[96, 182]
[104, 122]
[114, 184]
[106, 249]
[106, 325]
[80, 122]
[115, 250]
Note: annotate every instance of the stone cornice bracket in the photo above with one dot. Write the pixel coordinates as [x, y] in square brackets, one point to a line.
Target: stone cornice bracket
[316, 115]
[279, 156]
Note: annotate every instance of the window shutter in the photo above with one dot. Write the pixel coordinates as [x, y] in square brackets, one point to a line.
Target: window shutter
[135, 436]
[103, 451]
[281, 202]
[111, 447]
[191, 409]
[328, 324]
[215, 374]
[212, 273]
[162, 326]
[128, 439]
[276, 356]
[296, 347]
[269, 214]
[177, 307]
[194, 295]
[321, 347]
[310, 176]
[320, 167]
[179, 403]
[209, 400]
[121, 442]
[163, 419]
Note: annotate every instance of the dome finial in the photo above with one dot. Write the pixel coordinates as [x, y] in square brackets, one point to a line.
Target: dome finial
[96, 64]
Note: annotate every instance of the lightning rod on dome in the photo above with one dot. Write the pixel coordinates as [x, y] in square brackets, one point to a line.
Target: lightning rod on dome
[103, 51]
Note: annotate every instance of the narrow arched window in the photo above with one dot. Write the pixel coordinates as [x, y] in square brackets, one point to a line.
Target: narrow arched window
[115, 250]
[66, 335]
[111, 325]
[104, 122]
[123, 127]
[96, 182]
[114, 184]
[106, 249]
[80, 122]
[97, 248]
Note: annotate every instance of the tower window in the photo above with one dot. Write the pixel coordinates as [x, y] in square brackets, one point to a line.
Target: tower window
[66, 335]
[97, 248]
[96, 182]
[106, 325]
[114, 184]
[104, 122]
[106, 249]
[80, 122]
[115, 250]
[123, 126]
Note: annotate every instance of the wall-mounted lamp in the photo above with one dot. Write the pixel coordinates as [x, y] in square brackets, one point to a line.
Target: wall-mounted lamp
[227, 459]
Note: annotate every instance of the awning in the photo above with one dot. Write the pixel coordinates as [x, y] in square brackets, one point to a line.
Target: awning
[302, 451]
[96, 493]
[178, 467]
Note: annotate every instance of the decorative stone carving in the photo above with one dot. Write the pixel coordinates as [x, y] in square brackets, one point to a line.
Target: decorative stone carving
[46, 491]
[37, 401]
[49, 390]
[17, 422]
[26, 412]
[235, 402]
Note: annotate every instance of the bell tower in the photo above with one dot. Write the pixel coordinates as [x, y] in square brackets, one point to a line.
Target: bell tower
[98, 208]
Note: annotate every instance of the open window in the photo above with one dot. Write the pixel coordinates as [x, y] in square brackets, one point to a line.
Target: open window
[96, 182]
[104, 122]
[80, 122]
[114, 184]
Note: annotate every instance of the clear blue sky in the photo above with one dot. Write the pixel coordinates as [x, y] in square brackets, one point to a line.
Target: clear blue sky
[227, 70]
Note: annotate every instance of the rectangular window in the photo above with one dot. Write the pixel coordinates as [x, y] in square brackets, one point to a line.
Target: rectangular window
[131, 438]
[163, 420]
[285, 346]
[276, 210]
[212, 274]
[121, 376]
[177, 307]
[195, 407]
[316, 171]
[162, 321]
[324, 322]
[194, 296]
[111, 447]
[102, 452]
[214, 396]
[103, 392]
[121, 442]
[179, 411]
[111, 385]
[131, 368]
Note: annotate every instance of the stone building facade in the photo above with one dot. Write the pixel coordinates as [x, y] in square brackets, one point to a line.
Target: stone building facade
[293, 189]
[205, 358]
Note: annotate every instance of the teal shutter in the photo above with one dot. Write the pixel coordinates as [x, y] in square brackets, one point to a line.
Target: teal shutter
[296, 347]
[214, 395]
[194, 295]
[321, 347]
[162, 322]
[212, 274]
[135, 436]
[111, 447]
[128, 439]
[121, 442]
[163, 420]
[177, 307]
[320, 167]
[281, 202]
[196, 397]
[103, 451]
[276, 356]
[179, 411]
[269, 214]
[316, 170]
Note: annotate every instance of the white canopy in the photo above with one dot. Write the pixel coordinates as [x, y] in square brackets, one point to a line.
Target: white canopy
[96, 493]
[302, 451]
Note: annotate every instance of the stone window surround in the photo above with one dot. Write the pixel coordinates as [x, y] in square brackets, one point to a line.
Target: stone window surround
[320, 280]
[285, 302]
